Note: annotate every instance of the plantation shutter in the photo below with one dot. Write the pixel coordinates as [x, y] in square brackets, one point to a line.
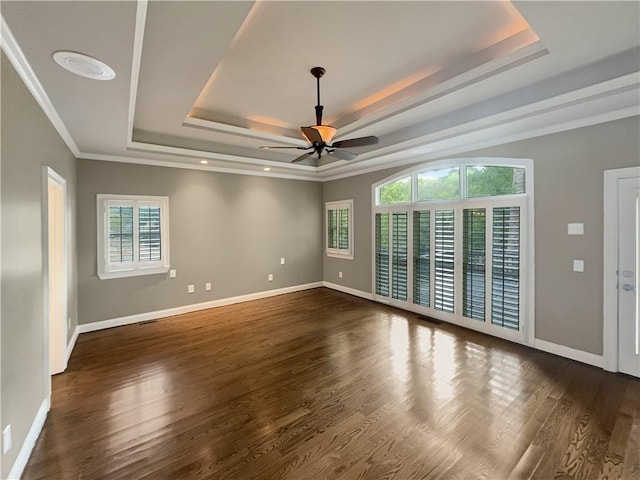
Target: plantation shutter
[149, 245]
[343, 228]
[505, 276]
[332, 226]
[120, 220]
[399, 248]
[473, 263]
[382, 254]
[444, 260]
[422, 257]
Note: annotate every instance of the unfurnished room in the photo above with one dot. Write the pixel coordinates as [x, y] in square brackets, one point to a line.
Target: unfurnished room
[260, 240]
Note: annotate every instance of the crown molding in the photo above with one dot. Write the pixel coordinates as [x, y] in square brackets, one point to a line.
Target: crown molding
[188, 166]
[17, 58]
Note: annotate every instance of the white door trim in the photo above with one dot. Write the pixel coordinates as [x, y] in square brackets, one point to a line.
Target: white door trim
[50, 174]
[610, 265]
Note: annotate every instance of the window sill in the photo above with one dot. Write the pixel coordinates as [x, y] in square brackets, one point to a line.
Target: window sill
[132, 273]
[345, 256]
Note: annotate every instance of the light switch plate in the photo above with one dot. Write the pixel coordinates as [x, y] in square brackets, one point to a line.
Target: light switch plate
[172, 274]
[207, 286]
[578, 265]
[282, 261]
[575, 228]
[191, 288]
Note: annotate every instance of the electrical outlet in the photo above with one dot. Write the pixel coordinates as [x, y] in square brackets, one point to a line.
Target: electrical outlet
[339, 274]
[191, 288]
[578, 265]
[172, 274]
[207, 286]
[270, 277]
[7, 442]
[282, 261]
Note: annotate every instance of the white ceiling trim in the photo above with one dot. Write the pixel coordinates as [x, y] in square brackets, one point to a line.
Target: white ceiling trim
[186, 152]
[17, 58]
[188, 166]
[447, 81]
[453, 145]
[138, 39]
[558, 104]
[242, 131]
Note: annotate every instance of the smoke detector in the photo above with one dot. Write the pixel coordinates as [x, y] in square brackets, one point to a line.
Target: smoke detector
[84, 65]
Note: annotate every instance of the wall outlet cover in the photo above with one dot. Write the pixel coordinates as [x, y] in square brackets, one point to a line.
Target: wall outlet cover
[191, 288]
[578, 265]
[172, 274]
[282, 261]
[270, 277]
[207, 286]
[575, 228]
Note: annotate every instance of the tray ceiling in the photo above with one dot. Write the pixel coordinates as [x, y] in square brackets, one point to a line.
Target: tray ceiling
[213, 81]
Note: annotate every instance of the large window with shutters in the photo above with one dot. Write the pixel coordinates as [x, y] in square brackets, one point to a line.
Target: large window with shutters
[453, 240]
[339, 233]
[133, 235]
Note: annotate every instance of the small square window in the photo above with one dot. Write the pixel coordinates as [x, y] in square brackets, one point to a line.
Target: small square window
[133, 235]
[340, 229]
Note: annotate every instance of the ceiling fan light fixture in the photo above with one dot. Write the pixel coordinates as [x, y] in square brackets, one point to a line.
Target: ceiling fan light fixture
[327, 132]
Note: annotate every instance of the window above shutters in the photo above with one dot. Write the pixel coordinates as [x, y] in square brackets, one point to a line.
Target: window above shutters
[133, 235]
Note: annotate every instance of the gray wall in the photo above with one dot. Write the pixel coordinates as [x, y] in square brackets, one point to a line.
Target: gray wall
[227, 229]
[568, 181]
[29, 141]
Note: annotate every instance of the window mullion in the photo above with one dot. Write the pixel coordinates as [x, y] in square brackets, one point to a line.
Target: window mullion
[136, 234]
[489, 266]
[458, 221]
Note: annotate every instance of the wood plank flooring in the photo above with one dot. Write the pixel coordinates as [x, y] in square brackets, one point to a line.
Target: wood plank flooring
[322, 385]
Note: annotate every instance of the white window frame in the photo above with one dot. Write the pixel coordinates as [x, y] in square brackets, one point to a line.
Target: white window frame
[107, 270]
[339, 252]
[526, 332]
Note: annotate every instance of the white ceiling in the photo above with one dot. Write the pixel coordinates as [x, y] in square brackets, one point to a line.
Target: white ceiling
[215, 80]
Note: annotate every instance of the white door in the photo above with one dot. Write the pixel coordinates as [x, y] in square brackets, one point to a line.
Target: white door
[628, 258]
[57, 273]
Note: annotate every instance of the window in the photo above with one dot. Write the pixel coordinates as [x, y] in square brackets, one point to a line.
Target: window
[133, 235]
[339, 229]
[441, 184]
[457, 249]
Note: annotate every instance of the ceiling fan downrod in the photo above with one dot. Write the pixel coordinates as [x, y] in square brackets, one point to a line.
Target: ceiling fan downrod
[318, 72]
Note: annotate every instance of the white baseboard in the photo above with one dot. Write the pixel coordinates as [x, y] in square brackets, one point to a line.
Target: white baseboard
[29, 441]
[568, 352]
[349, 290]
[143, 317]
[72, 343]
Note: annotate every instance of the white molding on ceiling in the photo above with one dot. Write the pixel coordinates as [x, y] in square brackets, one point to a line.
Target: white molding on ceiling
[138, 40]
[241, 131]
[391, 161]
[189, 166]
[447, 81]
[202, 154]
[441, 83]
[19, 61]
[576, 109]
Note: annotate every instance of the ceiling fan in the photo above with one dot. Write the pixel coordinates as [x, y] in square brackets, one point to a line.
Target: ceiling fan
[320, 136]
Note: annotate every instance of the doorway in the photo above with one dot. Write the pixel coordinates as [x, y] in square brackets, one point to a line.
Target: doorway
[55, 265]
[621, 267]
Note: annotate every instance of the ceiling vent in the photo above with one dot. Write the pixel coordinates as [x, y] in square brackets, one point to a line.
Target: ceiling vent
[84, 65]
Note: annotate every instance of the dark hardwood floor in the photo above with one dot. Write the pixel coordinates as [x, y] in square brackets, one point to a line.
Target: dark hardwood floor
[319, 384]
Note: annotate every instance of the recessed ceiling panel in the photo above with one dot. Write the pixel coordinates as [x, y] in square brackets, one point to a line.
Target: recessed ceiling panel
[370, 50]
